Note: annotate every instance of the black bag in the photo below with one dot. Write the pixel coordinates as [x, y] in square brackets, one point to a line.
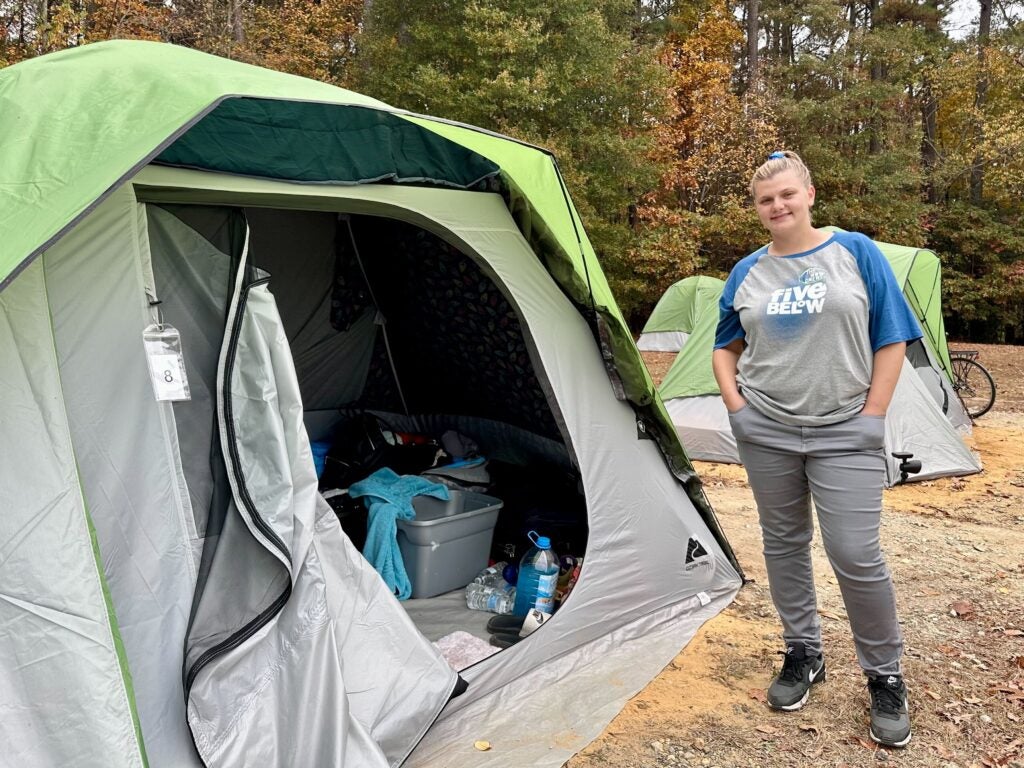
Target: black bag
[366, 443]
[352, 515]
[542, 499]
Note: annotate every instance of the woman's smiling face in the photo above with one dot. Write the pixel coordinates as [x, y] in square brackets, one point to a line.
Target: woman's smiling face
[784, 204]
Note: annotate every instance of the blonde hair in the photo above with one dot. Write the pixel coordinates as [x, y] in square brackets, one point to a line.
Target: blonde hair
[777, 163]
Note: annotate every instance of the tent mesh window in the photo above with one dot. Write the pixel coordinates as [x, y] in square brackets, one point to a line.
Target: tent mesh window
[457, 344]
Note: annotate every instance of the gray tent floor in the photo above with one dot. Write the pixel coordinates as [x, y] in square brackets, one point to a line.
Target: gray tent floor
[438, 616]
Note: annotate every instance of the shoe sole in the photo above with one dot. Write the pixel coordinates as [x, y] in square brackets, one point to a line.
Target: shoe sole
[807, 694]
[884, 743]
[504, 639]
[505, 623]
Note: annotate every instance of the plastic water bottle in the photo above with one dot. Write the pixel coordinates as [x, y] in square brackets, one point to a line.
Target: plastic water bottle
[496, 599]
[538, 577]
[492, 576]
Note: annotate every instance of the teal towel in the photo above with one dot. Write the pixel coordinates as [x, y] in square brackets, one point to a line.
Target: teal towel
[388, 497]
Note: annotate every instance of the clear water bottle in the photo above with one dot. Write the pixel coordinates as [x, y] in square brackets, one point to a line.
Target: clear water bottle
[492, 576]
[538, 577]
[496, 599]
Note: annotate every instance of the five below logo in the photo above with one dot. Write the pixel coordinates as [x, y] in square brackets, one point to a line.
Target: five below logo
[696, 555]
[806, 298]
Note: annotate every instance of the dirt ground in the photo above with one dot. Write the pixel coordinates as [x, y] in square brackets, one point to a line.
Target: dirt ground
[956, 550]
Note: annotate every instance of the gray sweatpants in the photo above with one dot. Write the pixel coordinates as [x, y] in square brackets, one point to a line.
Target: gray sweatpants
[842, 468]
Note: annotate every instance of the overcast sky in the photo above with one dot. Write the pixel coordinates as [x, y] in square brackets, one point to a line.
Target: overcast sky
[963, 18]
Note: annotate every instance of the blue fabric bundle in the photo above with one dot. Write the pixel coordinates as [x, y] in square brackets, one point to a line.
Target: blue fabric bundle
[388, 497]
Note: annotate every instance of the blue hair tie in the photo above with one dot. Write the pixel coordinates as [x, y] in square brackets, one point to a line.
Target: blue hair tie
[777, 156]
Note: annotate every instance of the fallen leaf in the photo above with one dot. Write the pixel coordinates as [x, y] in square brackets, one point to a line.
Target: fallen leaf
[962, 608]
[758, 694]
[810, 729]
[933, 694]
[1012, 717]
[943, 751]
[830, 615]
[864, 743]
[767, 729]
[1014, 632]
[483, 746]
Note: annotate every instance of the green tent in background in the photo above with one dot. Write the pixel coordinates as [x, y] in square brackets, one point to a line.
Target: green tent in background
[919, 273]
[678, 312]
[695, 301]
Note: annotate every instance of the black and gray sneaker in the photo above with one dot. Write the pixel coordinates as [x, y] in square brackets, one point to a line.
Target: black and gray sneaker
[800, 670]
[890, 713]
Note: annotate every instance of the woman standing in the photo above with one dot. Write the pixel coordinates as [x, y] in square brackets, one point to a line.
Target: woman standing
[810, 343]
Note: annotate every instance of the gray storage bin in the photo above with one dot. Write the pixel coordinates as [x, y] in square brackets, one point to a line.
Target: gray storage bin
[449, 541]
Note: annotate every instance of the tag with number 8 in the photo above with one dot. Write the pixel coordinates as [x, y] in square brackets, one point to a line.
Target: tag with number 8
[166, 364]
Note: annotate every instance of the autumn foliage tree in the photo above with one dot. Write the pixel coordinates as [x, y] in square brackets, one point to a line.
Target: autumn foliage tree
[659, 110]
[311, 38]
[571, 76]
[697, 218]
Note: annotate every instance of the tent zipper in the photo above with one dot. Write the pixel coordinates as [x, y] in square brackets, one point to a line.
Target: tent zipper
[233, 465]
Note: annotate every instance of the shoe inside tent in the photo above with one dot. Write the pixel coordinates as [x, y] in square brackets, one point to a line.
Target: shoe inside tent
[177, 591]
[925, 418]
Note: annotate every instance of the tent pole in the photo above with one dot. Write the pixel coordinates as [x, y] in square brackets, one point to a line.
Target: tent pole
[379, 320]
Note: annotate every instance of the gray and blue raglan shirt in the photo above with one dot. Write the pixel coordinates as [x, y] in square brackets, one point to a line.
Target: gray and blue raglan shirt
[812, 322]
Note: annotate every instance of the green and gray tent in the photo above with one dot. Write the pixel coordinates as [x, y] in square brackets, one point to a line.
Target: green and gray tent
[919, 272]
[176, 590]
[925, 417]
[678, 312]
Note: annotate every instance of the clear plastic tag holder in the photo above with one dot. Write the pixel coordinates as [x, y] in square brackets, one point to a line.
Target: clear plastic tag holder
[166, 363]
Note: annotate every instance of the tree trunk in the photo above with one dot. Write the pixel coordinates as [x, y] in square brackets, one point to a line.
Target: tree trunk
[788, 55]
[980, 96]
[753, 33]
[877, 74]
[929, 152]
[44, 25]
[237, 27]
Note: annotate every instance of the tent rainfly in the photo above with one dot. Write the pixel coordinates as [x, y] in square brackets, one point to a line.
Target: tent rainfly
[176, 590]
[925, 417]
[677, 313]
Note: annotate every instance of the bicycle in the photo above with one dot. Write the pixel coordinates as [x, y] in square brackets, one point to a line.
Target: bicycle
[972, 383]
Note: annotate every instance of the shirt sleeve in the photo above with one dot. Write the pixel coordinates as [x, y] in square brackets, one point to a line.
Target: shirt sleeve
[729, 327]
[890, 318]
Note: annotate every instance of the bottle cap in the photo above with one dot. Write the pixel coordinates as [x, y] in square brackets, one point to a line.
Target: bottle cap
[542, 542]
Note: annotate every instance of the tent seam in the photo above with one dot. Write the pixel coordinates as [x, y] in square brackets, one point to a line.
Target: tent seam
[113, 631]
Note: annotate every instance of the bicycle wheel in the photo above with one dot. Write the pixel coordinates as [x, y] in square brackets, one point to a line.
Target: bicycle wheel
[974, 386]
